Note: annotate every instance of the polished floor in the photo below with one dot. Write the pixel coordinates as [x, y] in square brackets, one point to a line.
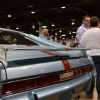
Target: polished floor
[83, 96]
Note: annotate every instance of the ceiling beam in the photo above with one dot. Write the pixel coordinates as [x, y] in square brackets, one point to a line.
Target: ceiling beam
[78, 9]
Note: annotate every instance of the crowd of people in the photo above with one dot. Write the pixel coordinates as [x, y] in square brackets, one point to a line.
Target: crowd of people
[88, 36]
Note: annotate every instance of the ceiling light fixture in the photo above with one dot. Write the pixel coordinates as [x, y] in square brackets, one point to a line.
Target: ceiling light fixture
[55, 33]
[74, 32]
[9, 15]
[63, 38]
[63, 7]
[71, 36]
[69, 32]
[33, 26]
[44, 26]
[63, 35]
[32, 12]
[53, 24]
[73, 21]
[17, 28]
[60, 31]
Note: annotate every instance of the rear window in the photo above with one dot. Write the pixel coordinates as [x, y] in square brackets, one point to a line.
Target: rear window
[7, 37]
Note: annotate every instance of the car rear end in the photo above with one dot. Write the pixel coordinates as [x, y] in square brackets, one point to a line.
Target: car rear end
[39, 75]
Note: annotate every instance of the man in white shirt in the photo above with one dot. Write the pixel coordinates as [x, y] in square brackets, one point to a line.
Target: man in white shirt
[91, 40]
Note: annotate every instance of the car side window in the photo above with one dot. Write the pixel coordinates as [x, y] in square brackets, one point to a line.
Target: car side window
[14, 38]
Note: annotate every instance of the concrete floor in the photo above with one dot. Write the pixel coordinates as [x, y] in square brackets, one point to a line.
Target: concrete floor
[83, 96]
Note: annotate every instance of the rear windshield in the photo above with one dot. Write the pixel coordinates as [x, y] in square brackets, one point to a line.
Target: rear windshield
[14, 38]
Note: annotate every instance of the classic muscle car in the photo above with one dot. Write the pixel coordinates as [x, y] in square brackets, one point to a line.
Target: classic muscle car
[32, 68]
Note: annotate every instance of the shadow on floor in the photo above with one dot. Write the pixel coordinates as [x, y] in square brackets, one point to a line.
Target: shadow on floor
[83, 96]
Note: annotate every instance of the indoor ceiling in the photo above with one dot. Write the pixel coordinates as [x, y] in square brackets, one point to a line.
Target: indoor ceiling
[24, 14]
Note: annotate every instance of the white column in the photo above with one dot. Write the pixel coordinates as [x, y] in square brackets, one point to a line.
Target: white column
[40, 27]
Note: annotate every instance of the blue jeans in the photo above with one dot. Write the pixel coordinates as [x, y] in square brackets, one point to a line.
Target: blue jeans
[96, 60]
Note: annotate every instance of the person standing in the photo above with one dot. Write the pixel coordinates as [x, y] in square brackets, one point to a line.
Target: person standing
[91, 40]
[63, 42]
[80, 32]
[84, 27]
[45, 34]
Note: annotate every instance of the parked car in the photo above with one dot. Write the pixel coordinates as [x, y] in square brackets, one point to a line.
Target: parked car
[32, 68]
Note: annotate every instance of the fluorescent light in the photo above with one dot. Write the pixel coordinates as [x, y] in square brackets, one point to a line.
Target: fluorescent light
[71, 36]
[63, 7]
[32, 12]
[63, 38]
[44, 26]
[73, 32]
[63, 35]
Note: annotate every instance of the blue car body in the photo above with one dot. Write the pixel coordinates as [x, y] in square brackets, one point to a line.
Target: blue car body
[44, 71]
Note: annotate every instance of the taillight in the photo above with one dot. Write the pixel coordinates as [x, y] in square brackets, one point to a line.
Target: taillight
[80, 71]
[89, 68]
[77, 72]
[18, 86]
[36, 82]
[46, 80]
[13, 87]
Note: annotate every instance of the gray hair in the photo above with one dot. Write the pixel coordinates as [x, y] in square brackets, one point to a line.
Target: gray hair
[44, 30]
